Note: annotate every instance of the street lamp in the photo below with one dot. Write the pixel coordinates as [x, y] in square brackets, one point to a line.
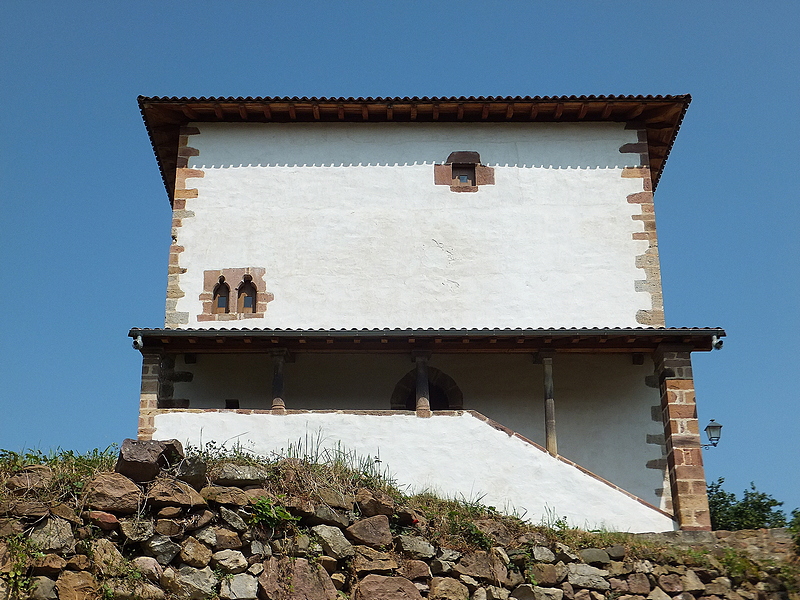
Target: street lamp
[714, 432]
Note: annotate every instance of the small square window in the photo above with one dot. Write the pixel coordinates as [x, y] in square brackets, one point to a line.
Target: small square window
[463, 175]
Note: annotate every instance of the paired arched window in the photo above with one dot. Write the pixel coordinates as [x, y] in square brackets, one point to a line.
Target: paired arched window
[247, 295]
[222, 297]
[234, 294]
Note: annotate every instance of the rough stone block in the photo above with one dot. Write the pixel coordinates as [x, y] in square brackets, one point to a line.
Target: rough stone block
[142, 460]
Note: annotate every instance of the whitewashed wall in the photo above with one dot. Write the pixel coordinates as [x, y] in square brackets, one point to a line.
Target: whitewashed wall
[603, 407]
[353, 232]
[458, 456]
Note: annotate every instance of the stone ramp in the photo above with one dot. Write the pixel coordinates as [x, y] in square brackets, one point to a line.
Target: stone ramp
[460, 454]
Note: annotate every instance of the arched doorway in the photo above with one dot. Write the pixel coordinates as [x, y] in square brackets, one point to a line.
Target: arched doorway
[444, 392]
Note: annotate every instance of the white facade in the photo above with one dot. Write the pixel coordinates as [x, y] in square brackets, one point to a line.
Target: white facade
[353, 233]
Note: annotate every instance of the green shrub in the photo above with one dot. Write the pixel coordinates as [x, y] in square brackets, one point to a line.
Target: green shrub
[271, 515]
[755, 510]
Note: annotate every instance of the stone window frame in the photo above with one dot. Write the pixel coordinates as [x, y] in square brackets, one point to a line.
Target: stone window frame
[246, 289]
[466, 164]
[255, 277]
[222, 289]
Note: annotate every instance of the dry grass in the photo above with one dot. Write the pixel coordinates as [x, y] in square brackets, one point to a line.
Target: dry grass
[61, 474]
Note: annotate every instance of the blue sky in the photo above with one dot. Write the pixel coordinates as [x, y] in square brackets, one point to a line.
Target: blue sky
[85, 218]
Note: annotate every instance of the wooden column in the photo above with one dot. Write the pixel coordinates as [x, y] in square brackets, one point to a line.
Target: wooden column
[423, 405]
[278, 361]
[549, 407]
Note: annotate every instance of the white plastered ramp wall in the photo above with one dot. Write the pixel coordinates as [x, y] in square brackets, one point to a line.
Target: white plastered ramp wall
[457, 455]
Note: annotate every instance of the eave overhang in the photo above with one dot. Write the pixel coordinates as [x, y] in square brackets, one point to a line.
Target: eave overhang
[619, 340]
[661, 116]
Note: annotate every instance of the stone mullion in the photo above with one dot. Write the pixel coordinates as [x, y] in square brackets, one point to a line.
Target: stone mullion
[682, 439]
[148, 398]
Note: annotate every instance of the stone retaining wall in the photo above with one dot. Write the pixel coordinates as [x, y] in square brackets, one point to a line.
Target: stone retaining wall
[760, 544]
[142, 534]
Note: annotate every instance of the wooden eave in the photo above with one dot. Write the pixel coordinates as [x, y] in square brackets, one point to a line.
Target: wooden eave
[446, 341]
[661, 116]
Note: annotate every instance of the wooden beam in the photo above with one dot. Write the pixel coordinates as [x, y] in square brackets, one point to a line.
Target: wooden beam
[364, 112]
[559, 110]
[636, 111]
[292, 112]
[413, 112]
[315, 110]
[389, 112]
[534, 110]
[267, 112]
[509, 111]
[435, 112]
[218, 112]
[607, 111]
[243, 112]
[582, 111]
[190, 113]
[460, 115]
[485, 111]
[341, 112]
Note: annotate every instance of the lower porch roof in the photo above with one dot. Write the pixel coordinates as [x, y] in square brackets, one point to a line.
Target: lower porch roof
[625, 340]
